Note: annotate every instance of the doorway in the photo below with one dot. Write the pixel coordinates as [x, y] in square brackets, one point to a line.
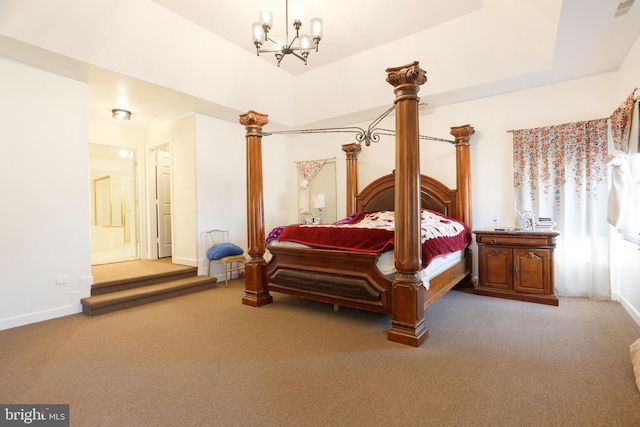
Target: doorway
[114, 202]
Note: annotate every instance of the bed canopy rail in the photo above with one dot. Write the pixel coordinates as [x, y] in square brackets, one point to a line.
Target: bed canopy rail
[371, 134]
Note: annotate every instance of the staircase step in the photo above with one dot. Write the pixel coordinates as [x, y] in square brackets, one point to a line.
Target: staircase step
[100, 304]
[117, 285]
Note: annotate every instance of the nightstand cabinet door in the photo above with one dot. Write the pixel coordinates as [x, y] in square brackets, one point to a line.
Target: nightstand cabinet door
[496, 267]
[531, 271]
[516, 265]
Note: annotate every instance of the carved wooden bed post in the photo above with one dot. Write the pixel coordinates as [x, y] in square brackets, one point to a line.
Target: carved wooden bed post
[463, 162]
[352, 151]
[407, 322]
[255, 293]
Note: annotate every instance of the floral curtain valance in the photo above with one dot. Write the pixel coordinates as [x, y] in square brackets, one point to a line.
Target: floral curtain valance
[621, 123]
[309, 168]
[544, 159]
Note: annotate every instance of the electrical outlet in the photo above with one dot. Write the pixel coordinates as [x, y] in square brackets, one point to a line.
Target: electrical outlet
[62, 279]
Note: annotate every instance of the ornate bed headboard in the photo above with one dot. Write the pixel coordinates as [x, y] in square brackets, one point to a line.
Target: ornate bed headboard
[379, 194]
[434, 195]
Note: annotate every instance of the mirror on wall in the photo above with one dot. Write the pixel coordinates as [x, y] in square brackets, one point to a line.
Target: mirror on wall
[109, 200]
[114, 225]
[317, 195]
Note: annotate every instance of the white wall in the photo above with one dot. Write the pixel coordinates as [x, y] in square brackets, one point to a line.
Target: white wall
[221, 182]
[625, 270]
[45, 188]
[629, 72]
[180, 135]
[626, 265]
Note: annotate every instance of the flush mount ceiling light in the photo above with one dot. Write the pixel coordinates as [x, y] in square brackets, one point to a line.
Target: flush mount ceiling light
[299, 46]
[120, 114]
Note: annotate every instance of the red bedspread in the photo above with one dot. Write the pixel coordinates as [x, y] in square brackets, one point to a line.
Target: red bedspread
[374, 232]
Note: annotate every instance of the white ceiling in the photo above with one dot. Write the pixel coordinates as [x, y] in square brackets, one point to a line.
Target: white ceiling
[570, 39]
[349, 26]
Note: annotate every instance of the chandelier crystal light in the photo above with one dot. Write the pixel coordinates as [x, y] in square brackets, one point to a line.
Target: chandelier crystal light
[299, 46]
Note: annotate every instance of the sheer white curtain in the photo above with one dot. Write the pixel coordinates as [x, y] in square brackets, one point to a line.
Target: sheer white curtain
[560, 173]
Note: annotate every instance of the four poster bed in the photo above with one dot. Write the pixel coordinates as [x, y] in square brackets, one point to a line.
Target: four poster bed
[355, 278]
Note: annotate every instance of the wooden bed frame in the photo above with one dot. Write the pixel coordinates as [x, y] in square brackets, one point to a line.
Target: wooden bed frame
[349, 278]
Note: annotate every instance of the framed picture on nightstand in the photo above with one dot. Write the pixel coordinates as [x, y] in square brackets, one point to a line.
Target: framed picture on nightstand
[527, 221]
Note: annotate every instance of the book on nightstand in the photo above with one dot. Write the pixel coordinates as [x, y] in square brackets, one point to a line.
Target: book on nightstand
[545, 224]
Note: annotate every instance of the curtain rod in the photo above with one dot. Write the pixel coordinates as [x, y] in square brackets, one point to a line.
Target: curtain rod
[547, 126]
[328, 160]
[635, 94]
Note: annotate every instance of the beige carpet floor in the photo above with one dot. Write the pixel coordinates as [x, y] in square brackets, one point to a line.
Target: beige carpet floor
[207, 360]
[133, 269]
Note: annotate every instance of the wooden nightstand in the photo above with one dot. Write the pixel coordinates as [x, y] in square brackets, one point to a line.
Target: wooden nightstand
[516, 265]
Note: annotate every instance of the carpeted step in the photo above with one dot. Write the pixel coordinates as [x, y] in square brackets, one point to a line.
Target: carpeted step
[100, 304]
[117, 285]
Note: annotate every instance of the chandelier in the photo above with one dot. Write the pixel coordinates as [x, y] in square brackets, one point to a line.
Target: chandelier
[299, 46]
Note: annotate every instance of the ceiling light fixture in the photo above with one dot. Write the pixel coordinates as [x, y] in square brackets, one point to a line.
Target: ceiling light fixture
[120, 114]
[285, 47]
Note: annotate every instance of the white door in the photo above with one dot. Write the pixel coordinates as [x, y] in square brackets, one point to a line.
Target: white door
[163, 203]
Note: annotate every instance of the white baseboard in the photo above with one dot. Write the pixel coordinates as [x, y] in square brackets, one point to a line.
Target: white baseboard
[633, 311]
[39, 316]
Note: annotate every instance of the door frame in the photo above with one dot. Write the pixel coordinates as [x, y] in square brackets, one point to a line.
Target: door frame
[135, 216]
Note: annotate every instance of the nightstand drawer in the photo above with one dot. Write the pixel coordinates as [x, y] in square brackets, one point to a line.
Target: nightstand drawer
[514, 240]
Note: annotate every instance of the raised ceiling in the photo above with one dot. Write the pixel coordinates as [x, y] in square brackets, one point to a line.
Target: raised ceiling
[502, 45]
[349, 26]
